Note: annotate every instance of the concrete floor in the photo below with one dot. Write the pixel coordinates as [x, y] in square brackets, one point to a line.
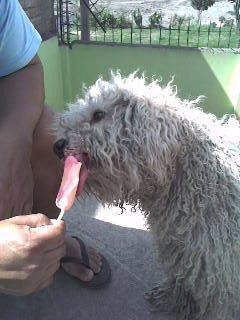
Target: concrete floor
[125, 242]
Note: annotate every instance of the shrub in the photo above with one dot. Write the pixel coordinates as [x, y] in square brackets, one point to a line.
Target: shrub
[105, 17]
[108, 19]
[155, 19]
[222, 19]
[137, 18]
[123, 21]
[177, 20]
[76, 20]
[213, 25]
[228, 22]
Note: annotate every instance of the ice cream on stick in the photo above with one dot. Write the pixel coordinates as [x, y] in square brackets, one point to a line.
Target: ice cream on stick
[69, 185]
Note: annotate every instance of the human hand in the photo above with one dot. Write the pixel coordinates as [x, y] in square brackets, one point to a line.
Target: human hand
[30, 251]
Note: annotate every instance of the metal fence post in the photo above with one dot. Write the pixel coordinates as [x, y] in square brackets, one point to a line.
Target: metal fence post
[237, 12]
[84, 20]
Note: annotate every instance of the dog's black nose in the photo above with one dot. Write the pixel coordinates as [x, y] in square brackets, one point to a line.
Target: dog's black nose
[59, 147]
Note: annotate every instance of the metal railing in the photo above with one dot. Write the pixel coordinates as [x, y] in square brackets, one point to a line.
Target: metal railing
[70, 13]
[237, 13]
[104, 27]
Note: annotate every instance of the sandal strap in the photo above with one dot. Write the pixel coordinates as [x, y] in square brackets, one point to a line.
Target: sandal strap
[84, 260]
[83, 250]
[73, 260]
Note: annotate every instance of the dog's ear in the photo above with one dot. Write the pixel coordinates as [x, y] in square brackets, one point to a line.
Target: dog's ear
[139, 126]
[140, 117]
[150, 130]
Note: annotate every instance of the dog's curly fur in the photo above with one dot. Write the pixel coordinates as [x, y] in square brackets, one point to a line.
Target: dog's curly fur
[181, 167]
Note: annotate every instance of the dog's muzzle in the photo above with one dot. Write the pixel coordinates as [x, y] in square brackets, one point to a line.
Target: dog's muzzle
[59, 147]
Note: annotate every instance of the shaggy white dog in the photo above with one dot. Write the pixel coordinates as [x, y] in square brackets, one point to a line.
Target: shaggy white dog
[145, 147]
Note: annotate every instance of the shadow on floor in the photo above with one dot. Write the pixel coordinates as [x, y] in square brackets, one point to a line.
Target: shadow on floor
[134, 270]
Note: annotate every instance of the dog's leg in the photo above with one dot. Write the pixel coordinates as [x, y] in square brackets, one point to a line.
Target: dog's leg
[171, 297]
[201, 284]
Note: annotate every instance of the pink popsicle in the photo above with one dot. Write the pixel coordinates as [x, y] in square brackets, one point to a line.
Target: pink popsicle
[69, 184]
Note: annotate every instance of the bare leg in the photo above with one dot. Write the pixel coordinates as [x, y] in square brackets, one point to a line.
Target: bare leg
[47, 178]
[46, 167]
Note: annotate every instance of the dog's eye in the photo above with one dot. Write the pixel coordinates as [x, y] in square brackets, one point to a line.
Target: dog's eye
[98, 116]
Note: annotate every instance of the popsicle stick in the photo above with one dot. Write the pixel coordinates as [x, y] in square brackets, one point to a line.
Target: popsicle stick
[60, 215]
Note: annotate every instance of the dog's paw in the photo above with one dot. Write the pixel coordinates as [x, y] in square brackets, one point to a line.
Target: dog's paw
[161, 298]
[170, 298]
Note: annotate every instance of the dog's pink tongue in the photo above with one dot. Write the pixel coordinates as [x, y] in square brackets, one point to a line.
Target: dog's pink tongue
[69, 184]
[82, 179]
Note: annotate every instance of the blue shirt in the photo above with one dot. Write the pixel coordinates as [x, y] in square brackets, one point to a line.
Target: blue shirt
[19, 40]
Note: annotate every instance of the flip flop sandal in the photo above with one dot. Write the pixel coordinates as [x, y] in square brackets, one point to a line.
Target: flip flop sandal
[100, 279]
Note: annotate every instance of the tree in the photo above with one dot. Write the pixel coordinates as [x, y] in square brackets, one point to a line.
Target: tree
[201, 5]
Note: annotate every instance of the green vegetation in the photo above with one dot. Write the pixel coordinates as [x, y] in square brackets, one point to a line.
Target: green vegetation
[179, 32]
[137, 18]
[109, 20]
[201, 5]
[155, 19]
[192, 37]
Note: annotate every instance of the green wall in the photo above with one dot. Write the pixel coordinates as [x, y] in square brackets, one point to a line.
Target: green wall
[50, 56]
[214, 74]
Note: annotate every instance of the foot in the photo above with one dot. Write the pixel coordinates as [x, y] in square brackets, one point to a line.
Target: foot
[79, 271]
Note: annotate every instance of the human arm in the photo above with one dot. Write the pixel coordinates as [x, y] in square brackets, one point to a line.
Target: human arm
[21, 96]
[21, 103]
[30, 250]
